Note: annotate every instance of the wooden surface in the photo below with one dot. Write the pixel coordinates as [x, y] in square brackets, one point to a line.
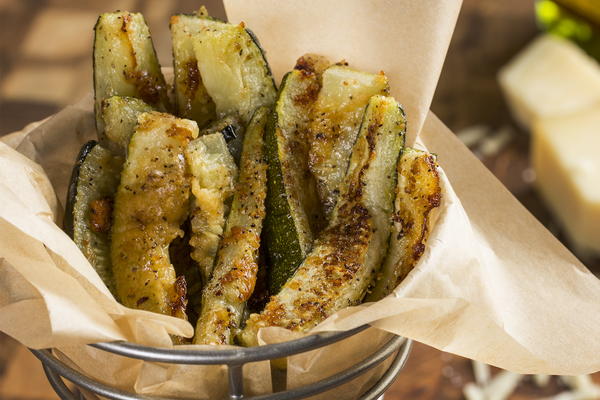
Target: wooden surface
[36, 81]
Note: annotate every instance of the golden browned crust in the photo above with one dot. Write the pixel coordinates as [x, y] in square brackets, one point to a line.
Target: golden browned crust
[150, 205]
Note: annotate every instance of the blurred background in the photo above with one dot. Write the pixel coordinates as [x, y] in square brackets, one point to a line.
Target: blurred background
[45, 64]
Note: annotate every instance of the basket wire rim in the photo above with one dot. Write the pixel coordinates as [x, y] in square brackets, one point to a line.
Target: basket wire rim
[55, 368]
[236, 356]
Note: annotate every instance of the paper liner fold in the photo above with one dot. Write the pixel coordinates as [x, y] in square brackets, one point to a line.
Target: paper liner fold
[492, 285]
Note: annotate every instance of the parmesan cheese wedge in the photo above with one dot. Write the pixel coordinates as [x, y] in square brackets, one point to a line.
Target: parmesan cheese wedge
[551, 77]
[566, 158]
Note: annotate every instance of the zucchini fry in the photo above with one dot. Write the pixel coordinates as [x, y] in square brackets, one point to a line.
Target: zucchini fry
[234, 276]
[120, 114]
[214, 174]
[336, 120]
[151, 203]
[294, 211]
[417, 193]
[338, 270]
[125, 63]
[191, 98]
[233, 68]
[88, 212]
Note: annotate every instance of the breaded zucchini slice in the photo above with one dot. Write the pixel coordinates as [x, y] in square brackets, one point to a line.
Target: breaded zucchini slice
[294, 212]
[233, 68]
[234, 276]
[88, 213]
[120, 114]
[214, 175]
[418, 192]
[151, 203]
[125, 63]
[338, 270]
[337, 115]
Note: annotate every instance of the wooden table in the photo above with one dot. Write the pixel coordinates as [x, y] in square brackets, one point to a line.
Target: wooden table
[488, 34]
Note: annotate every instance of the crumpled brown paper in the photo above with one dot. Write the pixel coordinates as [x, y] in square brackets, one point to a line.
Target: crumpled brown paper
[493, 284]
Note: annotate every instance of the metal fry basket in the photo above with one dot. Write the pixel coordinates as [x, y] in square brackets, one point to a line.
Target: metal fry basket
[395, 347]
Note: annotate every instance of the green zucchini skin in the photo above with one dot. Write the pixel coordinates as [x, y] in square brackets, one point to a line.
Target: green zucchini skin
[72, 190]
[338, 270]
[294, 212]
[191, 98]
[94, 181]
[236, 268]
[268, 71]
[120, 114]
[125, 63]
[151, 203]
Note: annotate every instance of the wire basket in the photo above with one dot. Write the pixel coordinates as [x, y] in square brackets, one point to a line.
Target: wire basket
[395, 346]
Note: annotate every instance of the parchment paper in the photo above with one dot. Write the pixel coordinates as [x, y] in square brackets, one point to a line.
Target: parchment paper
[492, 285]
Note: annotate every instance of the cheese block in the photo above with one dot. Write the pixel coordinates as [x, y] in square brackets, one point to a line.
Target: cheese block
[551, 77]
[566, 158]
